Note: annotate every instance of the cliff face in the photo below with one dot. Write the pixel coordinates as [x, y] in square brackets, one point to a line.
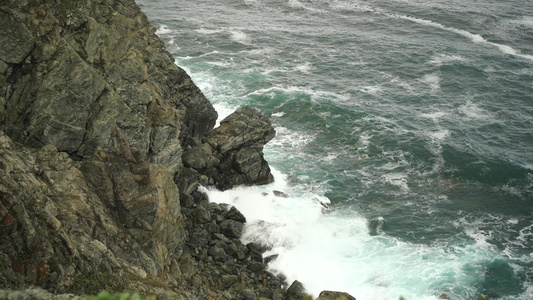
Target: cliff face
[103, 143]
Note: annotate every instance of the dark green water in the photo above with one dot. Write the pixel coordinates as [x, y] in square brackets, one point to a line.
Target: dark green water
[414, 118]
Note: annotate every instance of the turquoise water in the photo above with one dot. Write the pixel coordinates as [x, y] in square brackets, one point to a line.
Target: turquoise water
[414, 119]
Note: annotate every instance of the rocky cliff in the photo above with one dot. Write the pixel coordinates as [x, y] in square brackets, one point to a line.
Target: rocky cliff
[103, 143]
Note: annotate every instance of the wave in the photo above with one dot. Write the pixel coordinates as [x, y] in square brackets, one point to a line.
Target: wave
[476, 38]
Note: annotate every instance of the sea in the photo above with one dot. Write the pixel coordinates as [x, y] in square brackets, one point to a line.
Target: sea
[403, 156]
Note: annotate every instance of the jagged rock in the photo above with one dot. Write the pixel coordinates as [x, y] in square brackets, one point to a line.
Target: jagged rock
[235, 214]
[217, 253]
[280, 194]
[296, 290]
[331, 295]
[232, 154]
[80, 73]
[270, 258]
[56, 229]
[15, 40]
[37, 294]
[232, 228]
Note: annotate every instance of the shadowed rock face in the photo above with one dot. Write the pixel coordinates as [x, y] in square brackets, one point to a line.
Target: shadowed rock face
[96, 122]
[232, 154]
[82, 74]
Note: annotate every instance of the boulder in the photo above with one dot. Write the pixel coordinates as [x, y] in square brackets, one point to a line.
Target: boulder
[331, 295]
[296, 291]
[232, 154]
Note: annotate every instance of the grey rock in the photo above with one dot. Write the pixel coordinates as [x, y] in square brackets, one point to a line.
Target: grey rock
[235, 214]
[232, 228]
[257, 267]
[248, 294]
[217, 253]
[201, 215]
[280, 194]
[332, 295]
[199, 238]
[229, 280]
[296, 290]
[15, 39]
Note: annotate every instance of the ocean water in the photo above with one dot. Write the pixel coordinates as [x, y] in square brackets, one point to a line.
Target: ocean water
[404, 137]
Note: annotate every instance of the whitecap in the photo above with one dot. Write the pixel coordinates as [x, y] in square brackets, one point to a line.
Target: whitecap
[289, 139]
[305, 68]
[433, 81]
[208, 31]
[434, 115]
[443, 59]
[163, 29]
[397, 179]
[473, 111]
[371, 89]
[525, 20]
[240, 37]
[474, 37]
[439, 134]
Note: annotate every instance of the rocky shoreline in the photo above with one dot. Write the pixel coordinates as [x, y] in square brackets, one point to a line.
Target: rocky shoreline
[104, 142]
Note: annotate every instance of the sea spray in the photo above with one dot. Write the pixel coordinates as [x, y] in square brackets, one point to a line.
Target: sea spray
[332, 247]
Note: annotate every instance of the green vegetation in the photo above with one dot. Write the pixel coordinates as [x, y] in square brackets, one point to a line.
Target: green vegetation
[120, 296]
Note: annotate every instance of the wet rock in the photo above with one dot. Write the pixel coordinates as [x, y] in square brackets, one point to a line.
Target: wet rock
[280, 194]
[296, 291]
[257, 267]
[232, 228]
[375, 226]
[235, 214]
[331, 295]
[270, 258]
[239, 141]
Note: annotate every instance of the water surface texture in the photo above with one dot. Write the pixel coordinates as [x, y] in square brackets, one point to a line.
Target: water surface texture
[413, 119]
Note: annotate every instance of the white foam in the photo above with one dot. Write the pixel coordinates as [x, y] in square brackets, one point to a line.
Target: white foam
[371, 89]
[305, 68]
[208, 31]
[473, 111]
[439, 134]
[434, 115]
[476, 38]
[290, 140]
[240, 37]
[397, 179]
[433, 81]
[332, 249]
[525, 20]
[443, 59]
[162, 30]
[223, 110]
